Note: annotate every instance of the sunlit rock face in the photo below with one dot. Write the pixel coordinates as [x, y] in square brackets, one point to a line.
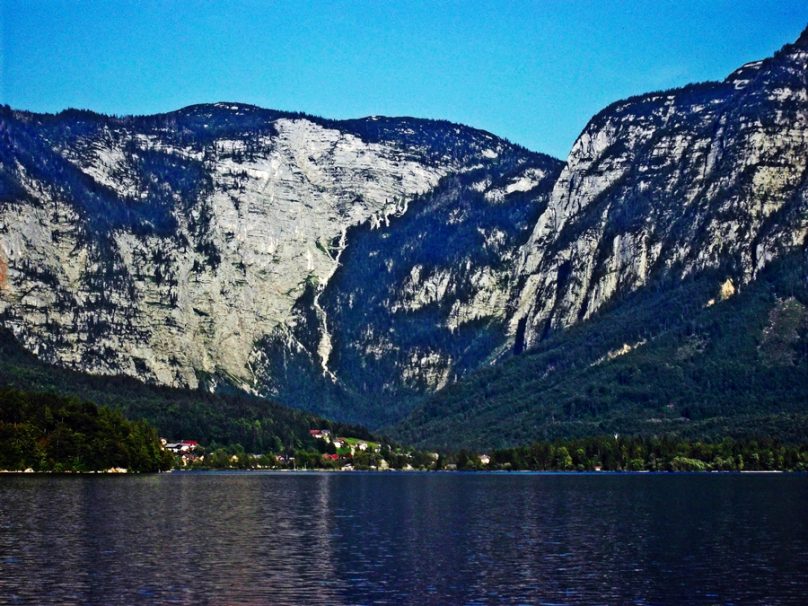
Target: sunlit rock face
[671, 183]
[417, 304]
[172, 247]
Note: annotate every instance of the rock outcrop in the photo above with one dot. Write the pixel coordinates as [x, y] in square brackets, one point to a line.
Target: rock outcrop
[672, 183]
[170, 248]
[417, 305]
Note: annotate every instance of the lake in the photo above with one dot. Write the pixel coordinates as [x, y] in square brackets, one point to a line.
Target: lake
[404, 538]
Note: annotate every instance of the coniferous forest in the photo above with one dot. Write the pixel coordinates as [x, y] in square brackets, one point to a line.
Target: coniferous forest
[48, 432]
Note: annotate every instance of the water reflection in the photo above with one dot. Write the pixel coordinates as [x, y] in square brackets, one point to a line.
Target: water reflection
[403, 539]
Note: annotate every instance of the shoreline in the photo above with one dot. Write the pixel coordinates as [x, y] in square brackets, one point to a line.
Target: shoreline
[498, 472]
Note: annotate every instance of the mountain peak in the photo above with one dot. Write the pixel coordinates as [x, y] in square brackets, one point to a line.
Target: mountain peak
[744, 74]
[802, 41]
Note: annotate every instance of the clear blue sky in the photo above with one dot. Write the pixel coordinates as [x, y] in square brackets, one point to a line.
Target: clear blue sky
[534, 72]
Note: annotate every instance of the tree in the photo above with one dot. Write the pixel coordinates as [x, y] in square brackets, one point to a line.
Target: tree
[563, 460]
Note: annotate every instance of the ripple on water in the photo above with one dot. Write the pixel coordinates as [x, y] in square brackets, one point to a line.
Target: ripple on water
[403, 539]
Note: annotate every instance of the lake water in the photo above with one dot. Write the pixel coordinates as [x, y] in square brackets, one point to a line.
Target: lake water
[420, 539]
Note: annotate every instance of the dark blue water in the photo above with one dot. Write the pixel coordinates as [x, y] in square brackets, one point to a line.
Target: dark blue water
[404, 539]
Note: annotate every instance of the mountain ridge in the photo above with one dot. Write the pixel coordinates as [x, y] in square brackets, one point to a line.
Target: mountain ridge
[184, 239]
[685, 156]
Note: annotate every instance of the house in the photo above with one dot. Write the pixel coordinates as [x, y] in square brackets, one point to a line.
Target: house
[330, 457]
[188, 451]
[182, 446]
[320, 434]
[485, 459]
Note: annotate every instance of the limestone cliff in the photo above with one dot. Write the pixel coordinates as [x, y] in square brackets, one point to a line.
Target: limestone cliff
[167, 247]
[672, 183]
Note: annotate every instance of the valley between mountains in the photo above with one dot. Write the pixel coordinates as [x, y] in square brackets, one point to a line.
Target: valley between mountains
[421, 277]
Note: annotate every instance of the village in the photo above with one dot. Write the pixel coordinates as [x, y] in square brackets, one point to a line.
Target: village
[330, 452]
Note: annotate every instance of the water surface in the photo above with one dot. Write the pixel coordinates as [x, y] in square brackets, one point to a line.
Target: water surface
[404, 539]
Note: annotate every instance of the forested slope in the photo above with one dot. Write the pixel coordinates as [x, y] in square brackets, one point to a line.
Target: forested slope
[257, 424]
[678, 360]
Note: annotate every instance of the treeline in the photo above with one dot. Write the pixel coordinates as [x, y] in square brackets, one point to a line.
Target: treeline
[605, 453]
[608, 453]
[212, 419]
[47, 432]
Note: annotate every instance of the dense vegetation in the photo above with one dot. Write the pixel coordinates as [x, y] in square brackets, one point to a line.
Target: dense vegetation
[737, 368]
[604, 453]
[647, 454]
[256, 424]
[46, 432]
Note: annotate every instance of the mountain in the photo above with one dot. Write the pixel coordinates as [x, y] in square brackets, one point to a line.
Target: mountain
[709, 176]
[196, 248]
[422, 275]
[669, 204]
[418, 305]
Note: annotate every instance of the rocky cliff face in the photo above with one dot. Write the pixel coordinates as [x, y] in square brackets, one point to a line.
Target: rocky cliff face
[672, 183]
[172, 247]
[417, 305]
[186, 248]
